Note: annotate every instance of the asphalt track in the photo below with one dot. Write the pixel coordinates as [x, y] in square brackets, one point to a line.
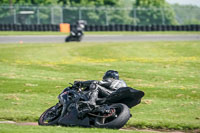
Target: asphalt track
[98, 38]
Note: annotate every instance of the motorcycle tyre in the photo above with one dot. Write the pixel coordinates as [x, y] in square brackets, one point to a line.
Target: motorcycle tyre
[118, 122]
[79, 38]
[68, 39]
[40, 122]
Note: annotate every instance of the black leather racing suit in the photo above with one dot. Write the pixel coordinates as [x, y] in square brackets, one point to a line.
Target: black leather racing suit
[101, 88]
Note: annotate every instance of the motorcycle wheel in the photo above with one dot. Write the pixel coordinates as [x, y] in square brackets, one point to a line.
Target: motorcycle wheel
[79, 39]
[68, 39]
[50, 116]
[116, 121]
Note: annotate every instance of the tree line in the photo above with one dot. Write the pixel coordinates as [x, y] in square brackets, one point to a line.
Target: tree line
[142, 12]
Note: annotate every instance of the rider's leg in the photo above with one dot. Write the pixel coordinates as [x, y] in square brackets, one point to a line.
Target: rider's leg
[88, 106]
[103, 92]
[95, 91]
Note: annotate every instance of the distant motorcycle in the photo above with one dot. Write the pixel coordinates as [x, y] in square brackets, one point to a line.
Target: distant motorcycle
[111, 112]
[77, 33]
[74, 36]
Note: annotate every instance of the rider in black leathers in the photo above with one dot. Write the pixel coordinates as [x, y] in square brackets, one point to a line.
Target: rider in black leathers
[96, 89]
[80, 25]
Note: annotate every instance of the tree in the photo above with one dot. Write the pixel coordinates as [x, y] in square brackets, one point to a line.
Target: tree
[152, 12]
[89, 2]
[187, 14]
[150, 3]
[27, 2]
[96, 11]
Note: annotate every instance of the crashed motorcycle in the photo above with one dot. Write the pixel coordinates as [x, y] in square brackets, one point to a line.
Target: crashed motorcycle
[112, 111]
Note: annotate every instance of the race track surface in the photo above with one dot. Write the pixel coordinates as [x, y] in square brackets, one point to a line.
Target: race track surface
[97, 38]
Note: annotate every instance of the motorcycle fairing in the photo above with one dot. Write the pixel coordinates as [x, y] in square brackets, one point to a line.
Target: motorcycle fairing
[71, 119]
[129, 96]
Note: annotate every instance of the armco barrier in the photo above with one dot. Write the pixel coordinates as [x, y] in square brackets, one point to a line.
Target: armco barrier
[118, 27]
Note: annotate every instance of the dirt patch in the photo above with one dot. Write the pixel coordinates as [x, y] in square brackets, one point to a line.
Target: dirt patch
[9, 122]
[28, 123]
[151, 130]
[20, 123]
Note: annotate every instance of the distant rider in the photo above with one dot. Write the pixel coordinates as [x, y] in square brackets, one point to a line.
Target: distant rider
[80, 25]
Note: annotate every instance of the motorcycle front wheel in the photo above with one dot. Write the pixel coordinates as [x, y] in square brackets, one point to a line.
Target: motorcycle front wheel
[118, 119]
[68, 39]
[50, 116]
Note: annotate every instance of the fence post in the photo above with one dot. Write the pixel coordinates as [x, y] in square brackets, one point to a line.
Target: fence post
[79, 14]
[61, 16]
[38, 15]
[14, 15]
[135, 15]
[106, 15]
[52, 15]
[163, 17]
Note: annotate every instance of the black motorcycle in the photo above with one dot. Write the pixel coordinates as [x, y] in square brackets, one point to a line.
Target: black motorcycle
[110, 112]
[75, 36]
[77, 33]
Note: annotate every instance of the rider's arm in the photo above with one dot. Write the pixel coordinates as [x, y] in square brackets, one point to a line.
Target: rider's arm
[105, 84]
[84, 84]
[113, 85]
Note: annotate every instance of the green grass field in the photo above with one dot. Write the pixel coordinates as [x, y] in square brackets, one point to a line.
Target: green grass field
[32, 75]
[10, 128]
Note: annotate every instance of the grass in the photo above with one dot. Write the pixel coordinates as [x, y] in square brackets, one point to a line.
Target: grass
[9, 128]
[7, 33]
[32, 75]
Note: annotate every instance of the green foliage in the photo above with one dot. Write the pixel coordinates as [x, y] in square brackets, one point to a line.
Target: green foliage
[95, 13]
[143, 12]
[150, 3]
[27, 2]
[6, 15]
[154, 12]
[93, 16]
[120, 16]
[182, 14]
[88, 2]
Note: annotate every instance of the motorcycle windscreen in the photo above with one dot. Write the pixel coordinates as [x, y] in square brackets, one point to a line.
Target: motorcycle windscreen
[129, 96]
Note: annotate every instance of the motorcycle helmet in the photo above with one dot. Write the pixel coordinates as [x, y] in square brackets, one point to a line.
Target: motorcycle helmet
[111, 74]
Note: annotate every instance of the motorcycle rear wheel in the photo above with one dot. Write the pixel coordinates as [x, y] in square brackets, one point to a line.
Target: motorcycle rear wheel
[50, 116]
[122, 115]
